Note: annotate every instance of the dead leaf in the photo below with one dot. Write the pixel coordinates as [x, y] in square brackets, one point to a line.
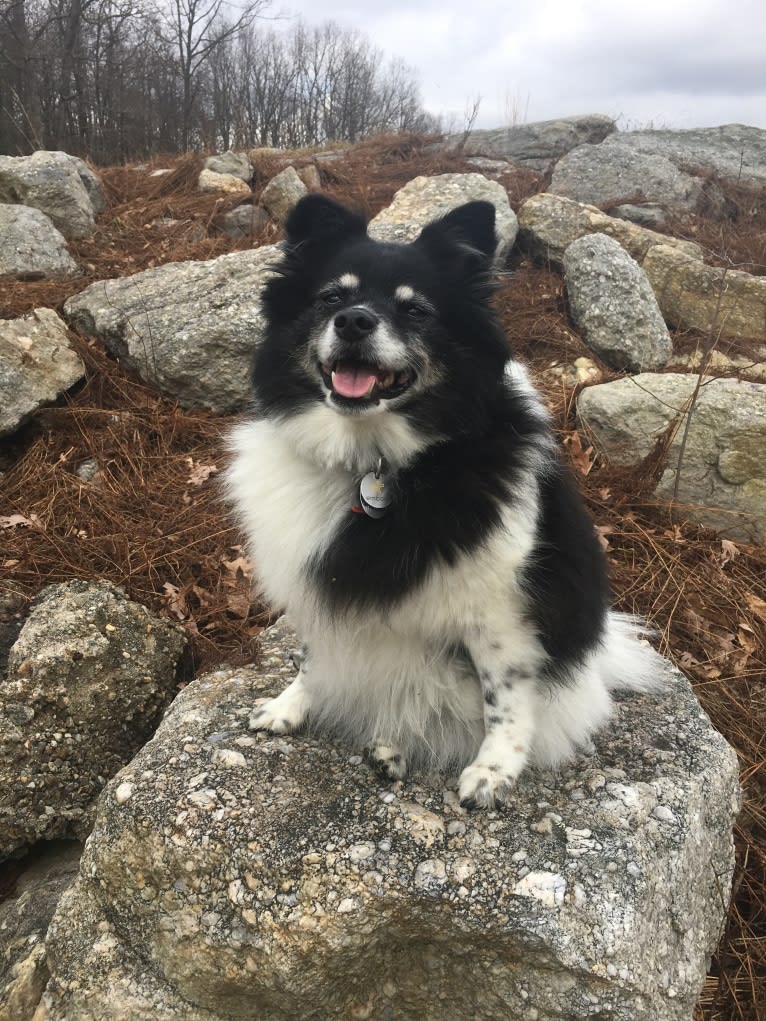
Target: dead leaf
[603, 531]
[176, 602]
[726, 643]
[239, 565]
[199, 472]
[205, 598]
[675, 533]
[728, 551]
[695, 620]
[747, 639]
[582, 458]
[756, 604]
[238, 603]
[12, 520]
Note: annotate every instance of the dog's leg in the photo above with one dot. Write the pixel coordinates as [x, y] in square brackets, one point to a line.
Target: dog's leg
[288, 711]
[509, 688]
[389, 761]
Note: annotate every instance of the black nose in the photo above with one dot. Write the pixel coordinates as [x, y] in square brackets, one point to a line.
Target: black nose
[355, 323]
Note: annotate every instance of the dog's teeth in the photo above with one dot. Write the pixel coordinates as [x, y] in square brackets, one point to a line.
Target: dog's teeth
[387, 380]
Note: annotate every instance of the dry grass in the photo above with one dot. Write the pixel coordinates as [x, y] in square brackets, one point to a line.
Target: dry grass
[117, 482]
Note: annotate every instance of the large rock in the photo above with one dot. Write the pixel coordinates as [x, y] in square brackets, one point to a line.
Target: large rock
[234, 875]
[664, 170]
[735, 152]
[282, 192]
[244, 221]
[209, 180]
[87, 680]
[706, 298]
[24, 920]
[722, 476]
[37, 364]
[426, 198]
[189, 328]
[92, 184]
[50, 182]
[618, 175]
[30, 246]
[548, 224]
[310, 176]
[719, 363]
[235, 163]
[539, 144]
[613, 305]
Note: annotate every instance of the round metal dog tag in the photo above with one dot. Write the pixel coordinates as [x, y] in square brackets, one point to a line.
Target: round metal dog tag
[375, 494]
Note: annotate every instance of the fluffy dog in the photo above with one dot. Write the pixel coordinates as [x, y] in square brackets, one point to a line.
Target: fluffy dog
[404, 501]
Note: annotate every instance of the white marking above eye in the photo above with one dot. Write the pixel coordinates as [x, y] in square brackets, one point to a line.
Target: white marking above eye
[350, 281]
[404, 293]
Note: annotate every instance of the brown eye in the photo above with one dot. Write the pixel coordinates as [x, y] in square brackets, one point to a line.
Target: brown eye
[332, 297]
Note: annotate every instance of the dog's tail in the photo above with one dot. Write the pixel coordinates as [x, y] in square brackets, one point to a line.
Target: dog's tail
[628, 661]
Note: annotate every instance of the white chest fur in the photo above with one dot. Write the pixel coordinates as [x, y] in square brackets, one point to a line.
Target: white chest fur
[290, 506]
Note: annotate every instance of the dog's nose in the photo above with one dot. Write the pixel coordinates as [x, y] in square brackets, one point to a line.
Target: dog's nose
[355, 323]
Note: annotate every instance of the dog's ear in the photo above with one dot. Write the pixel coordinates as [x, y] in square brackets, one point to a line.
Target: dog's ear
[317, 218]
[471, 226]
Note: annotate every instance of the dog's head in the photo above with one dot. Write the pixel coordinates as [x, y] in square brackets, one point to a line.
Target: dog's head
[368, 327]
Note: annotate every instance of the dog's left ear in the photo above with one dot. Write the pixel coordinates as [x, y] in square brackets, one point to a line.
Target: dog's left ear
[471, 226]
[318, 218]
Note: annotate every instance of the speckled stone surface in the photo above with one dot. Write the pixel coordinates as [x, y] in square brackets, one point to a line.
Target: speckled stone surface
[613, 305]
[720, 480]
[236, 875]
[427, 198]
[88, 678]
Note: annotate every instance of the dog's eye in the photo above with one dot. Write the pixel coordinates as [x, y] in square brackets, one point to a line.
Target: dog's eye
[414, 311]
[333, 297]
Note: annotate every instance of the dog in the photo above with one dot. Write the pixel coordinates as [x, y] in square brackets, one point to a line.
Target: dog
[404, 501]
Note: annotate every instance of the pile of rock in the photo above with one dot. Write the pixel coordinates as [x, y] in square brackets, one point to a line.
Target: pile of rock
[45, 199]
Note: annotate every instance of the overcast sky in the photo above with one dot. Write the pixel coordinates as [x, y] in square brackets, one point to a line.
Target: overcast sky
[647, 63]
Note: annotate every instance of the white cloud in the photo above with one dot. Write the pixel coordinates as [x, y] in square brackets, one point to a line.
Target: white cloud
[673, 63]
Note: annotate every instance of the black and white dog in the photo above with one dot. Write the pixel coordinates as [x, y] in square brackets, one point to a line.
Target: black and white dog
[404, 501]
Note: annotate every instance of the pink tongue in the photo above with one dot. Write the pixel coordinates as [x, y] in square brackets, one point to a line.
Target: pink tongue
[353, 382]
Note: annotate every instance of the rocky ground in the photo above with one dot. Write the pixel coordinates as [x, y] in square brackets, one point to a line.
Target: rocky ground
[117, 482]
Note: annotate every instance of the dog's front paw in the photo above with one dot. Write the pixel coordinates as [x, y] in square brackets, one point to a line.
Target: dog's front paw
[283, 714]
[389, 761]
[484, 786]
[269, 717]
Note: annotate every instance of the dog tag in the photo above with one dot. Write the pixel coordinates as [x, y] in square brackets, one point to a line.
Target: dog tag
[375, 494]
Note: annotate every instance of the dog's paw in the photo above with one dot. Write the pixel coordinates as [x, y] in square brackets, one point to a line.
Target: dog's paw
[388, 761]
[268, 717]
[283, 714]
[484, 787]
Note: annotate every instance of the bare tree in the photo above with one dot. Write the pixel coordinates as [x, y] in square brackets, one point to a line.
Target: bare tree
[123, 79]
[199, 28]
[20, 114]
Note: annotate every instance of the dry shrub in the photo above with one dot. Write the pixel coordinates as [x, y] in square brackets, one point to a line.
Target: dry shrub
[117, 482]
[731, 228]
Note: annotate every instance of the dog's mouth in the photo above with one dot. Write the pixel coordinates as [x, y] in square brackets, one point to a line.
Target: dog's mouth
[362, 382]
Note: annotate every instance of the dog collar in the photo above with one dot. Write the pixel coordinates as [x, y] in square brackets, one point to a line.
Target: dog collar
[375, 491]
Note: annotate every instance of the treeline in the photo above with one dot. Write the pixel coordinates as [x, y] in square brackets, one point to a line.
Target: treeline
[118, 80]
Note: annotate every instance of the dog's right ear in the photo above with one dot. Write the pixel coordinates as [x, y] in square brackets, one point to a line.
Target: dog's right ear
[318, 218]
